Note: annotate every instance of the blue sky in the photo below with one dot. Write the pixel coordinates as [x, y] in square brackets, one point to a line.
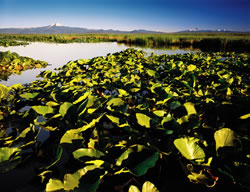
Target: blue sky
[162, 15]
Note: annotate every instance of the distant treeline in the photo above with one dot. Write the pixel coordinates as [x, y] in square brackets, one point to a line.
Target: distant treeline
[238, 42]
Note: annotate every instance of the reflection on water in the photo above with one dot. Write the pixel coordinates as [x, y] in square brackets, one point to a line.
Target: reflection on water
[58, 55]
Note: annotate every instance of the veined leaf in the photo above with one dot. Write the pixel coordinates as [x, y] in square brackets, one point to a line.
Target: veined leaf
[149, 187]
[133, 188]
[189, 148]
[224, 138]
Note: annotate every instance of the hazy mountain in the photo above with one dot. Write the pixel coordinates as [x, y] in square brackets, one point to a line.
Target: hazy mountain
[196, 30]
[60, 29]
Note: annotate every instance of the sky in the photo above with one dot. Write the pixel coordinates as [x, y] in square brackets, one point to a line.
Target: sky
[157, 15]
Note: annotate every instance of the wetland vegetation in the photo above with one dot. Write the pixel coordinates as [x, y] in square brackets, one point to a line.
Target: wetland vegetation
[128, 121]
[237, 42]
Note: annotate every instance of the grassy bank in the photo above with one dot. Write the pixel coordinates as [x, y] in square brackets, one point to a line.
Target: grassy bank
[239, 42]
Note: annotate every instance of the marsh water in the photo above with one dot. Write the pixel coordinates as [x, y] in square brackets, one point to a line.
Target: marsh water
[58, 55]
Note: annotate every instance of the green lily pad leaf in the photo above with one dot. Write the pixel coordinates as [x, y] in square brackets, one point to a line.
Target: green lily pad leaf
[64, 108]
[57, 152]
[122, 93]
[246, 116]
[115, 102]
[7, 152]
[52, 104]
[159, 113]
[149, 187]
[224, 138]
[147, 163]
[115, 120]
[29, 96]
[133, 188]
[124, 156]
[70, 135]
[91, 110]
[83, 97]
[189, 148]
[190, 108]
[83, 152]
[143, 120]
[43, 110]
[174, 105]
[152, 73]
[26, 131]
[191, 67]
[71, 181]
[54, 185]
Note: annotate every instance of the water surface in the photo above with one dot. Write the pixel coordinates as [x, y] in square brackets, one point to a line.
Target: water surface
[58, 55]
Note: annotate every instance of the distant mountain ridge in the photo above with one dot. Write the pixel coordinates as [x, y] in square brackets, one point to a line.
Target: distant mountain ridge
[60, 29]
[196, 30]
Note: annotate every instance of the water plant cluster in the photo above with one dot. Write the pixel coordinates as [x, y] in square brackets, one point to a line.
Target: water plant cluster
[12, 63]
[9, 42]
[127, 120]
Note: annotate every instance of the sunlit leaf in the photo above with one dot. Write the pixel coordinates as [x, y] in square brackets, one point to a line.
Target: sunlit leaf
[54, 185]
[189, 148]
[143, 120]
[133, 188]
[43, 110]
[149, 187]
[87, 152]
[64, 108]
[224, 138]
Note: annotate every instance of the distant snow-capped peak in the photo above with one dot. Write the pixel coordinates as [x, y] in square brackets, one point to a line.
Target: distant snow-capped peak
[56, 25]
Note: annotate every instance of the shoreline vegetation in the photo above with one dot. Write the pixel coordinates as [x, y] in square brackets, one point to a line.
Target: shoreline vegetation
[11, 63]
[232, 42]
[118, 122]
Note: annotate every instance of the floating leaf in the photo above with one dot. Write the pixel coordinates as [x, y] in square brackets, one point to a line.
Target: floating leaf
[115, 102]
[246, 116]
[7, 152]
[149, 187]
[54, 185]
[43, 110]
[64, 108]
[124, 156]
[224, 138]
[133, 188]
[147, 163]
[191, 67]
[143, 120]
[190, 108]
[70, 135]
[189, 148]
[159, 113]
[83, 152]
[29, 96]
[115, 120]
